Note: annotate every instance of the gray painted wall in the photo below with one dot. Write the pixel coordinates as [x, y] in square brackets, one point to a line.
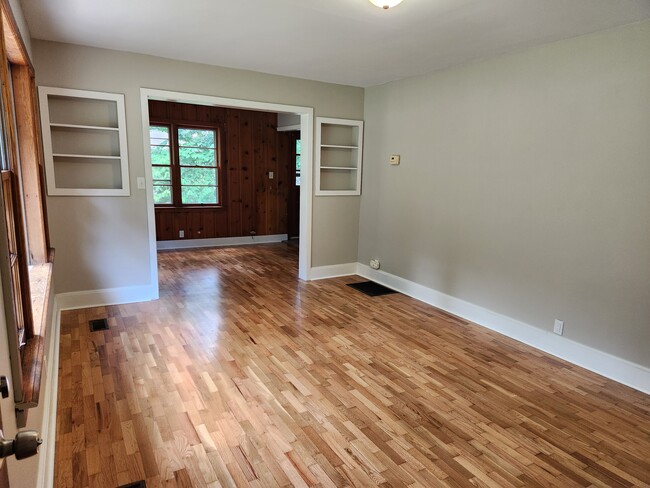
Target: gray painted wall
[524, 186]
[102, 242]
[288, 120]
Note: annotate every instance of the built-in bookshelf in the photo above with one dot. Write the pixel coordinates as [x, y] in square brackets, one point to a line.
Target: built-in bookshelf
[84, 142]
[339, 156]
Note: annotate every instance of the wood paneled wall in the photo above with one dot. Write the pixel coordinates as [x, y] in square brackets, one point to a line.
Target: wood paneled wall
[251, 201]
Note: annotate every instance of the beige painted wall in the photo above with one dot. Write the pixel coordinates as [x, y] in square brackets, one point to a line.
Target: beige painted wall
[102, 242]
[524, 186]
[17, 10]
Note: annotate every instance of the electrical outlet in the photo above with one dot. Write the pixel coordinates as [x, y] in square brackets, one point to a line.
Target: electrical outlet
[271, 175]
[558, 327]
[181, 233]
[374, 263]
[394, 159]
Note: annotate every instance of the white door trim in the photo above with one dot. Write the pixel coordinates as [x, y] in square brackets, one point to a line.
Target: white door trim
[306, 197]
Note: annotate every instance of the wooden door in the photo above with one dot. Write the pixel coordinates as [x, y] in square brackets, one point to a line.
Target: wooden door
[293, 204]
[4, 477]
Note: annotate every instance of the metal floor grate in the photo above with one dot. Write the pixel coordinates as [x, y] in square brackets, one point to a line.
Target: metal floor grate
[371, 288]
[98, 324]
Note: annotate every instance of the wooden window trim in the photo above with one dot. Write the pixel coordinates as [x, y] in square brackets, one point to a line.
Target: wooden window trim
[23, 136]
[177, 202]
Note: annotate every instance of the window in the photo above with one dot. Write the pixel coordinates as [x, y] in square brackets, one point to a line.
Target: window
[24, 242]
[161, 165]
[185, 165]
[197, 157]
[297, 162]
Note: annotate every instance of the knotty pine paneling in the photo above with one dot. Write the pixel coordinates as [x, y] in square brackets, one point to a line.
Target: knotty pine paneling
[251, 201]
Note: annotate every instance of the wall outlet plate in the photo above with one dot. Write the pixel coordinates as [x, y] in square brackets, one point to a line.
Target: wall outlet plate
[374, 263]
[394, 159]
[558, 327]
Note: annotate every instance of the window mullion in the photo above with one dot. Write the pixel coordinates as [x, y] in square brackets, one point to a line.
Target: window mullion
[176, 168]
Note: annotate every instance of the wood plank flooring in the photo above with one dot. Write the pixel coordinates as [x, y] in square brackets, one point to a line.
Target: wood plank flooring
[241, 375]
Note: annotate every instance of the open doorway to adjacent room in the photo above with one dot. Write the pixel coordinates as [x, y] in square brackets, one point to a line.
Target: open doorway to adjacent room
[223, 172]
[290, 125]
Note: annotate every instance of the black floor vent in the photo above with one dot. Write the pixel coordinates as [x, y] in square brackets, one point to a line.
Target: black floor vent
[99, 324]
[371, 288]
[137, 484]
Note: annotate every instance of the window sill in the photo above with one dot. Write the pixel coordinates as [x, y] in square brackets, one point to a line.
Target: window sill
[40, 281]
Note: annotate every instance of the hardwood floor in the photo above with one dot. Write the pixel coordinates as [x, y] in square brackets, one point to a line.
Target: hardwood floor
[241, 375]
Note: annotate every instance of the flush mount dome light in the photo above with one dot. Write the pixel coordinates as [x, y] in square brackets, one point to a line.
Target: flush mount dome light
[385, 4]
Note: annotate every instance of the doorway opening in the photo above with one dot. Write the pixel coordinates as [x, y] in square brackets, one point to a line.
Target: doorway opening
[293, 200]
[290, 124]
[302, 126]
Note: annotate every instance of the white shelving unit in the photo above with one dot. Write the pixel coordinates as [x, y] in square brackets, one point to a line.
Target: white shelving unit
[339, 156]
[84, 142]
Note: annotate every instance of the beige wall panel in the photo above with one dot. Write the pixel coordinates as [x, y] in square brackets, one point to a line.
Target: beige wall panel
[523, 186]
[102, 242]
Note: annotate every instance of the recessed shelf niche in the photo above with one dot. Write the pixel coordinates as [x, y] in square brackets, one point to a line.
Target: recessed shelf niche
[84, 141]
[339, 144]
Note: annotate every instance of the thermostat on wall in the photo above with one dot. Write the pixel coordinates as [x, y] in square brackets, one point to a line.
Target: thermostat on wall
[394, 159]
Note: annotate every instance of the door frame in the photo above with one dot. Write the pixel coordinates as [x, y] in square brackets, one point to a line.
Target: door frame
[306, 197]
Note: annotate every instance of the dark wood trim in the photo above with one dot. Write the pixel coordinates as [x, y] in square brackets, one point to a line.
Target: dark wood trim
[33, 354]
[22, 136]
[18, 249]
[28, 133]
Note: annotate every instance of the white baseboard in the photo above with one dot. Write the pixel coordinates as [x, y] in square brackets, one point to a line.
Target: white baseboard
[220, 242]
[607, 365]
[108, 296]
[333, 271]
[45, 477]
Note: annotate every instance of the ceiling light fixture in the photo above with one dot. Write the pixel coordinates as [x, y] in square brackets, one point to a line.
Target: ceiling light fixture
[385, 4]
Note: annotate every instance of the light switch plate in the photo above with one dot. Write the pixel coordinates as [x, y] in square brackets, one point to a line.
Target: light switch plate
[141, 184]
[271, 174]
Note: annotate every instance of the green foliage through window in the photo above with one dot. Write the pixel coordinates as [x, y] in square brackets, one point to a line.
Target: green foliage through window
[197, 166]
[298, 162]
[197, 156]
[161, 161]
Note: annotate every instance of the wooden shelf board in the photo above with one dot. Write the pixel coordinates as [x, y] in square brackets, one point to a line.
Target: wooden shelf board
[83, 127]
[335, 146]
[342, 168]
[86, 156]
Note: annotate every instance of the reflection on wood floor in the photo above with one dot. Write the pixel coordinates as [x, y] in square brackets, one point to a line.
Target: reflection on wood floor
[241, 375]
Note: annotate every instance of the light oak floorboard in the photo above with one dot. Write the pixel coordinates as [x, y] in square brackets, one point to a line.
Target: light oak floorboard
[242, 375]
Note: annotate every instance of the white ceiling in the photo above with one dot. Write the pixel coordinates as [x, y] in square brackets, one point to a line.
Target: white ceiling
[342, 41]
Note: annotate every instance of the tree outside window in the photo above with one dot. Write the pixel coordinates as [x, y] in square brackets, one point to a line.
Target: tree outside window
[185, 165]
